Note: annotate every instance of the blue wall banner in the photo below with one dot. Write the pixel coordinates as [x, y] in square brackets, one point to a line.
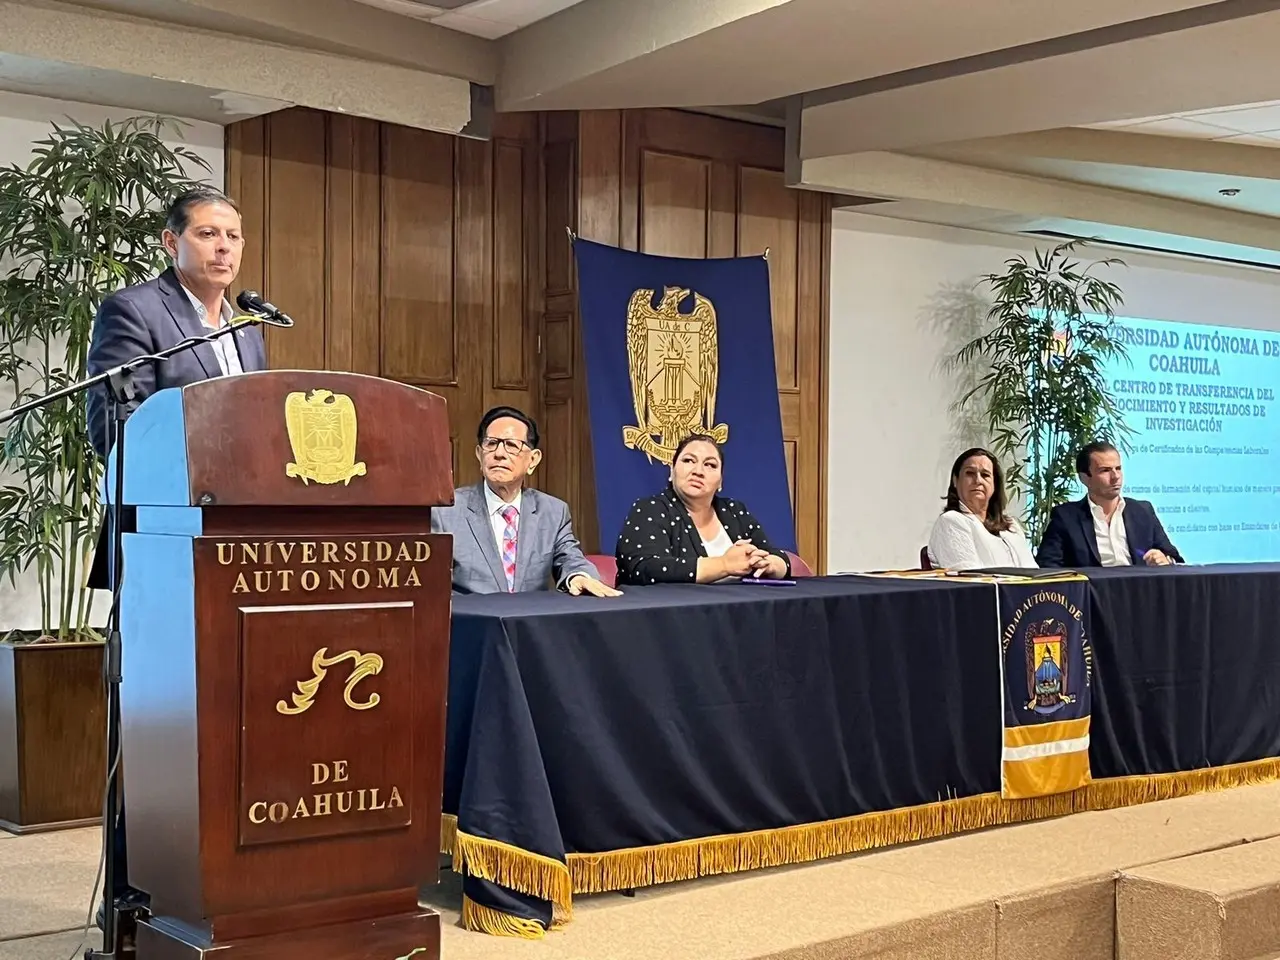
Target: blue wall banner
[1046, 667]
[676, 346]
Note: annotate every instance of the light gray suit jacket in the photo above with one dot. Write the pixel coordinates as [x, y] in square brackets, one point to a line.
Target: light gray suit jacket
[546, 549]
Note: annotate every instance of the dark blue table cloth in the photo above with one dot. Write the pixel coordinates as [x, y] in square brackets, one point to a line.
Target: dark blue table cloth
[675, 713]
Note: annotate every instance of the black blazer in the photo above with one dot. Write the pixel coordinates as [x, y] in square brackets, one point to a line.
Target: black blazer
[1069, 540]
[660, 544]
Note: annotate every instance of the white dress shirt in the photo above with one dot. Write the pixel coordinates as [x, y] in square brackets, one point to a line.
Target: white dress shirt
[1113, 542]
[495, 505]
[959, 541]
[224, 347]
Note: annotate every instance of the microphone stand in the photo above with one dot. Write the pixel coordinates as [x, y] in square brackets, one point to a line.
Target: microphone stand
[120, 395]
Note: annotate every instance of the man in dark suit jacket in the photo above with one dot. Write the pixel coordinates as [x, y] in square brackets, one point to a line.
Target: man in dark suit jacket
[1105, 529]
[203, 238]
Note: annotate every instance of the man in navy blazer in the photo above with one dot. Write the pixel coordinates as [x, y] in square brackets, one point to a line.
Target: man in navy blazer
[1105, 529]
[203, 238]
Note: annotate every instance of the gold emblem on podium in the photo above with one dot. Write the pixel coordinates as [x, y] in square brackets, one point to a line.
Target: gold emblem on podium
[366, 665]
[322, 432]
[674, 363]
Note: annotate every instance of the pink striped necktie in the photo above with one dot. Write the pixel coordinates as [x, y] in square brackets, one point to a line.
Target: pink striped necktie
[509, 535]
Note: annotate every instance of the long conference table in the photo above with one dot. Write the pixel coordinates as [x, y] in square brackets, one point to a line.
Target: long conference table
[681, 730]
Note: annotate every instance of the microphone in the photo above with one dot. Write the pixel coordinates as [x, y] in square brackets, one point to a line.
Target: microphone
[250, 301]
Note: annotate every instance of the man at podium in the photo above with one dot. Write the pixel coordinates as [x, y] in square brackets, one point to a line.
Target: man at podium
[204, 240]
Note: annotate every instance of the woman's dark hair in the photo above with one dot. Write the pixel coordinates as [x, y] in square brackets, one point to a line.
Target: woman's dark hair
[995, 521]
[698, 437]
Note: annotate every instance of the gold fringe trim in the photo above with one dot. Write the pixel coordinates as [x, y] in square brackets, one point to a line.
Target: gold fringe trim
[481, 919]
[562, 913]
[1130, 791]
[516, 869]
[629, 869]
[708, 856]
[448, 832]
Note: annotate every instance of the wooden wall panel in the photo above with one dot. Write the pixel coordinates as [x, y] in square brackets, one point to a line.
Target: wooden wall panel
[366, 249]
[471, 324]
[813, 290]
[789, 452]
[246, 182]
[352, 251]
[419, 341]
[400, 253]
[340, 232]
[675, 204]
[294, 243]
[770, 220]
[510, 280]
[561, 165]
[599, 194]
[444, 262]
[557, 345]
[683, 184]
[582, 175]
[557, 473]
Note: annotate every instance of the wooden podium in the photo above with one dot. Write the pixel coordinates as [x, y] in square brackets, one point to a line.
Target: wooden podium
[285, 624]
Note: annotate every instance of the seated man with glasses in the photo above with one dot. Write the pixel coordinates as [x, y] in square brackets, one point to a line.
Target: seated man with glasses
[507, 539]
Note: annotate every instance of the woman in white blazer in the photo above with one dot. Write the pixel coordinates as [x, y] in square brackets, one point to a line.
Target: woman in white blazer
[974, 532]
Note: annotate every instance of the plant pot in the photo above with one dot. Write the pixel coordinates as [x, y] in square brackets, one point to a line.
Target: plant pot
[53, 720]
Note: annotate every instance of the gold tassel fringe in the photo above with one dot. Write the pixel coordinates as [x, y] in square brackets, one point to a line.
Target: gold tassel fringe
[516, 869]
[448, 832]
[708, 856]
[1130, 791]
[481, 919]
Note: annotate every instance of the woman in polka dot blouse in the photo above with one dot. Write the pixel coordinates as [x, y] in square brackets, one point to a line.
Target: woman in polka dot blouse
[690, 534]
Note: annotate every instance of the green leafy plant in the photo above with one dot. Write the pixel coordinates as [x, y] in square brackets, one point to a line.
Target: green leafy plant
[1051, 333]
[81, 220]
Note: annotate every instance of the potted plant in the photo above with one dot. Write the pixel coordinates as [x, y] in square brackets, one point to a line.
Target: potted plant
[79, 221]
[1041, 383]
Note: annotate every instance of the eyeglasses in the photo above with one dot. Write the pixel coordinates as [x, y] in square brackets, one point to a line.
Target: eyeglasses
[513, 447]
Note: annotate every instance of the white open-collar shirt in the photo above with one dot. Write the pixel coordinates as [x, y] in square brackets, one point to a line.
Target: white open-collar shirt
[959, 541]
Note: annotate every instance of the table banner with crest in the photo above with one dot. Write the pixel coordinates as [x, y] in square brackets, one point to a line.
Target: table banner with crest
[676, 346]
[1046, 667]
